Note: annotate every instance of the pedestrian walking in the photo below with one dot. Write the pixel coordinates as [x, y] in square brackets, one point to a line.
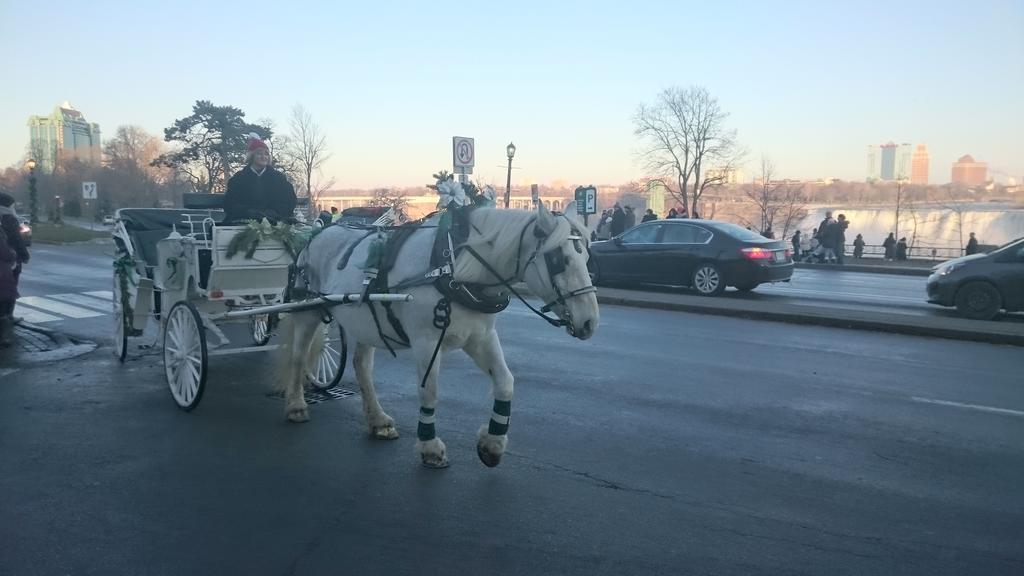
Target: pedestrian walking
[858, 247]
[618, 223]
[630, 217]
[828, 234]
[672, 214]
[795, 241]
[8, 288]
[889, 244]
[649, 215]
[901, 249]
[972, 245]
[12, 226]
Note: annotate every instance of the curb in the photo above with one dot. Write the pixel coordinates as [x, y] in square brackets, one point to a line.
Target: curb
[950, 328]
[895, 270]
[66, 348]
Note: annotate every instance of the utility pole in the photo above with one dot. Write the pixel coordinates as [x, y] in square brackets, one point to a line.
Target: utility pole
[33, 195]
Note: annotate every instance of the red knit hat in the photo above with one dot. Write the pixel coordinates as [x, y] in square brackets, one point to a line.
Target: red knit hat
[255, 143]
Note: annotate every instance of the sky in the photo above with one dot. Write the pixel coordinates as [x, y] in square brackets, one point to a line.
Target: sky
[808, 84]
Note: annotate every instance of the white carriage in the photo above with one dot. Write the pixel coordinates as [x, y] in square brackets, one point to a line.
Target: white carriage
[173, 265]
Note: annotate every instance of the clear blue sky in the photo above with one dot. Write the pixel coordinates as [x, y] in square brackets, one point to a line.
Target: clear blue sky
[807, 83]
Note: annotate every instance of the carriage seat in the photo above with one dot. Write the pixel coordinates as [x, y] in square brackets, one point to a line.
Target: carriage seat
[147, 226]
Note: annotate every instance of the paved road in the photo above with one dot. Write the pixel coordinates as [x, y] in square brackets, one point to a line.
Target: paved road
[668, 444]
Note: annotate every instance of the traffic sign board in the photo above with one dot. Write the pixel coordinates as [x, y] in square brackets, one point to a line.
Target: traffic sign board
[463, 155]
[586, 200]
[88, 190]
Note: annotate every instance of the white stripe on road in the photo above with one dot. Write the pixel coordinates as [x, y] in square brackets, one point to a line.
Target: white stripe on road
[58, 307]
[82, 300]
[31, 315]
[979, 407]
[101, 294]
[7, 371]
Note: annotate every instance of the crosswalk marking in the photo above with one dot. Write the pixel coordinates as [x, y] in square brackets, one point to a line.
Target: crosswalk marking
[33, 316]
[83, 300]
[58, 307]
[102, 294]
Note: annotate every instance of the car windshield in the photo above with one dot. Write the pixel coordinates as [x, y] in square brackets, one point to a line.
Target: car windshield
[739, 232]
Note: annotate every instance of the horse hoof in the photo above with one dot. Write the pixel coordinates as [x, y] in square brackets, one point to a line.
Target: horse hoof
[434, 463]
[299, 415]
[489, 459]
[387, 432]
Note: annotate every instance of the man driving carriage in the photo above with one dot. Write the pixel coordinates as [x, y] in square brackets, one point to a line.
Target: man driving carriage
[258, 191]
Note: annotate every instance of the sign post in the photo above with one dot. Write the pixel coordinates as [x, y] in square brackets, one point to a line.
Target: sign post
[463, 156]
[586, 202]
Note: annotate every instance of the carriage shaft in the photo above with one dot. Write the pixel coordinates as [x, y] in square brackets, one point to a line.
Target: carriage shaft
[325, 300]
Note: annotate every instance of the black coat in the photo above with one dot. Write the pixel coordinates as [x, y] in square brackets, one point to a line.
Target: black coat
[252, 196]
[972, 246]
[648, 218]
[618, 222]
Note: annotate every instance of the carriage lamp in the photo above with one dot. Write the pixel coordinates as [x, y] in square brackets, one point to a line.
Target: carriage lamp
[510, 150]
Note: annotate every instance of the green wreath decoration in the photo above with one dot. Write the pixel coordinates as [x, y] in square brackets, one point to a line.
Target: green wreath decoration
[294, 238]
[124, 268]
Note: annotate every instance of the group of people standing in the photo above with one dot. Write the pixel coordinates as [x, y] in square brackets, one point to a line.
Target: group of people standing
[827, 243]
[621, 218]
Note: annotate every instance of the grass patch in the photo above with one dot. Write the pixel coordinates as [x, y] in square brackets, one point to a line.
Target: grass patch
[59, 234]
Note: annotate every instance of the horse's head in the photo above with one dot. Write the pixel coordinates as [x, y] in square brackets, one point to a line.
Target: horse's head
[557, 271]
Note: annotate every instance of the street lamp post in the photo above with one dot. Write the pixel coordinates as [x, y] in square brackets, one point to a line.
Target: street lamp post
[511, 151]
[33, 196]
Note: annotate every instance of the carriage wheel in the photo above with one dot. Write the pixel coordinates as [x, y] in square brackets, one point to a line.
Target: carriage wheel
[120, 331]
[185, 355]
[259, 327]
[329, 366]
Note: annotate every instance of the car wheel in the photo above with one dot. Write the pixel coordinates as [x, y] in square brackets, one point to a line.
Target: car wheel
[746, 287]
[978, 301]
[707, 280]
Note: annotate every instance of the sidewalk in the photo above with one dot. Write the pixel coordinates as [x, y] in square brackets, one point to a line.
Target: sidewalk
[33, 344]
[909, 268]
[993, 332]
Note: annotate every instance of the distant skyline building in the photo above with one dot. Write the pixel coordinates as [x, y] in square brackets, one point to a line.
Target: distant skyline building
[888, 161]
[919, 165]
[874, 163]
[967, 172]
[63, 134]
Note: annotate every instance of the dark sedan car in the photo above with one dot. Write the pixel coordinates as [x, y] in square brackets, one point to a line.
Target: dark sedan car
[704, 254]
[980, 285]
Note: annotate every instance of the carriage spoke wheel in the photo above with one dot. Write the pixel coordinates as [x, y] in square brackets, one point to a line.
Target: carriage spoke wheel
[329, 366]
[185, 355]
[259, 325]
[120, 331]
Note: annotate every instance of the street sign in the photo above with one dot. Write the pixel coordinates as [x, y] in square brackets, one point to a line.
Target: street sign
[463, 155]
[586, 200]
[88, 190]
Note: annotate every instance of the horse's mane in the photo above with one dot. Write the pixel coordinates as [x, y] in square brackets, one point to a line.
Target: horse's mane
[495, 236]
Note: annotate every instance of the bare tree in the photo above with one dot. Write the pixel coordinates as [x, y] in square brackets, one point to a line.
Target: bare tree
[686, 143]
[951, 198]
[776, 202]
[307, 148]
[392, 198]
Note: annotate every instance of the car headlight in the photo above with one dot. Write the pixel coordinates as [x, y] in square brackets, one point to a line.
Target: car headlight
[947, 269]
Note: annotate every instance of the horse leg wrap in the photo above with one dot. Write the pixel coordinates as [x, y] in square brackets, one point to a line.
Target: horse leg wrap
[425, 428]
[500, 418]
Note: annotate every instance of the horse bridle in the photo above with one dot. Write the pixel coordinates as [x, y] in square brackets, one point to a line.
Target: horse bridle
[554, 262]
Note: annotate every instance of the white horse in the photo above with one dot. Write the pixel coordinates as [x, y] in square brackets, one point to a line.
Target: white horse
[546, 250]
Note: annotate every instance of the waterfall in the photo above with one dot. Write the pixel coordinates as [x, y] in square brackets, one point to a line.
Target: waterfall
[927, 225]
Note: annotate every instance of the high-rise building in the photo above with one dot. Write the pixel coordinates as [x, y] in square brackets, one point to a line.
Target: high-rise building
[904, 159]
[919, 165]
[968, 172]
[874, 164]
[61, 135]
[888, 161]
